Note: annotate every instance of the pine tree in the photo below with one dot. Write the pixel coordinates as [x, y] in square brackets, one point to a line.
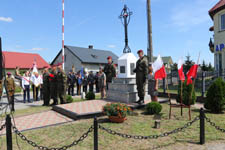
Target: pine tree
[210, 68]
[204, 67]
[188, 63]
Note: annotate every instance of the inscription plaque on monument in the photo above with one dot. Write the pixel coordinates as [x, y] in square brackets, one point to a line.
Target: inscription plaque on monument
[122, 69]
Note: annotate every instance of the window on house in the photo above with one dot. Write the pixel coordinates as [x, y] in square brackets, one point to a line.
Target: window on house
[94, 56]
[222, 22]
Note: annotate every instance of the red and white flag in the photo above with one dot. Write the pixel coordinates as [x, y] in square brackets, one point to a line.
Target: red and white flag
[180, 69]
[35, 70]
[192, 73]
[159, 69]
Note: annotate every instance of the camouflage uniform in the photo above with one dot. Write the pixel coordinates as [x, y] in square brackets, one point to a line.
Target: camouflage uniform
[46, 88]
[141, 76]
[53, 86]
[62, 86]
[110, 72]
[11, 90]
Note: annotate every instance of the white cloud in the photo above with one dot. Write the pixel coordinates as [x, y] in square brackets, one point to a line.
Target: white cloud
[111, 46]
[6, 19]
[38, 49]
[187, 15]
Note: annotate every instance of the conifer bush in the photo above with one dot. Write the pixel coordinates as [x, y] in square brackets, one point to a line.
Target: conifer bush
[186, 93]
[215, 97]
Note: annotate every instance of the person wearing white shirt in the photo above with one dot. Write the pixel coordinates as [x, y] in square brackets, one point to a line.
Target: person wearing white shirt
[37, 81]
[26, 87]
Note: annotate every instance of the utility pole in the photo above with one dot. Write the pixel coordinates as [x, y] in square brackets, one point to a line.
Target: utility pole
[149, 18]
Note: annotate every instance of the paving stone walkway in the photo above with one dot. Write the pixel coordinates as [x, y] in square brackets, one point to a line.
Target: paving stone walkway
[38, 120]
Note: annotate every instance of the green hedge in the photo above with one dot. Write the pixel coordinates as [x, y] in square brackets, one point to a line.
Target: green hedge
[69, 99]
[153, 108]
[90, 96]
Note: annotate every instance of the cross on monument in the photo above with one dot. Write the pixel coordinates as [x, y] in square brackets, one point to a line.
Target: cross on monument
[125, 19]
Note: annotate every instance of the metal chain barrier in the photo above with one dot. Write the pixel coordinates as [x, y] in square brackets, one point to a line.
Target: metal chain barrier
[74, 143]
[139, 137]
[214, 125]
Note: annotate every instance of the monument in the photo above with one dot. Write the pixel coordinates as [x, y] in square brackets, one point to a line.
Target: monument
[123, 88]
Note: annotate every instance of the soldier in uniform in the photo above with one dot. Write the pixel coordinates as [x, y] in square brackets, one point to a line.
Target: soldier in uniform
[53, 85]
[11, 90]
[46, 87]
[109, 71]
[1, 88]
[141, 71]
[62, 84]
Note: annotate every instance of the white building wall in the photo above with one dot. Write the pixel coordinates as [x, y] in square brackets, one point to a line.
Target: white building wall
[219, 40]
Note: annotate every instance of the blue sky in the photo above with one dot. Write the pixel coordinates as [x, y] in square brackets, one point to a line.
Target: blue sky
[179, 26]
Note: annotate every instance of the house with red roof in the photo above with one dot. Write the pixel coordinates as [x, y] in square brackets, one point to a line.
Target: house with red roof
[24, 61]
[217, 43]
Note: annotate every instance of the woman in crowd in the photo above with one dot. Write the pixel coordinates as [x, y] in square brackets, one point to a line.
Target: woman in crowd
[26, 87]
[152, 85]
[102, 82]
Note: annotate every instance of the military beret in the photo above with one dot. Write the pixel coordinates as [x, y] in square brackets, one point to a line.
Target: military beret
[109, 57]
[140, 51]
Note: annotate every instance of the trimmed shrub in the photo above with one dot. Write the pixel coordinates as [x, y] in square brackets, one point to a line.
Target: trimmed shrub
[215, 97]
[186, 93]
[153, 108]
[69, 99]
[90, 96]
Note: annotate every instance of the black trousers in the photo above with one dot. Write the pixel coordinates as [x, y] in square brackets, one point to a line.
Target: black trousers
[85, 88]
[97, 87]
[26, 93]
[46, 96]
[71, 90]
[35, 93]
[91, 87]
[11, 102]
[41, 92]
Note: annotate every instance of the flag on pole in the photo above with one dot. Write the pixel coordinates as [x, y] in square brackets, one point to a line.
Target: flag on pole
[159, 69]
[180, 69]
[35, 70]
[192, 73]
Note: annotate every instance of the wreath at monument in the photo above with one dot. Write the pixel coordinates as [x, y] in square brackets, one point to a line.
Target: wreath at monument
[116, 112]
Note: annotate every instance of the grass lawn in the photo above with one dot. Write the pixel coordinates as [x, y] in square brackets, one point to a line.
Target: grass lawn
[174, 91]
[136, 124]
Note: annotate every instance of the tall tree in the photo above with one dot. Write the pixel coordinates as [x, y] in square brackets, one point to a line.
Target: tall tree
[204, 67]
[188, 63]
[149, 18]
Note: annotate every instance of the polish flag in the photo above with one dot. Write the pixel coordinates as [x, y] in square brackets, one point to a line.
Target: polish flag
[192, 73]
[159, 69]
[180, 69]
[35, 70]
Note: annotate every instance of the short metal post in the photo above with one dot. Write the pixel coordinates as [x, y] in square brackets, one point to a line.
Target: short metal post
[164, 85]
[203, 84]
[95, 134]
[202, 126]
[8, 132]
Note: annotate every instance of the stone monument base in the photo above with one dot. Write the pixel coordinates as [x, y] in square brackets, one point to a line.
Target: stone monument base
[124, 90]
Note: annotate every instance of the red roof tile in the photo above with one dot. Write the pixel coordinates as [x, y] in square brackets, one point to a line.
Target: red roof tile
[23, 60]
[219, 6]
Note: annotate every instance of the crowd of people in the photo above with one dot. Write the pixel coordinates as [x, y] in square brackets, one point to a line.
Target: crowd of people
[53, 83]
